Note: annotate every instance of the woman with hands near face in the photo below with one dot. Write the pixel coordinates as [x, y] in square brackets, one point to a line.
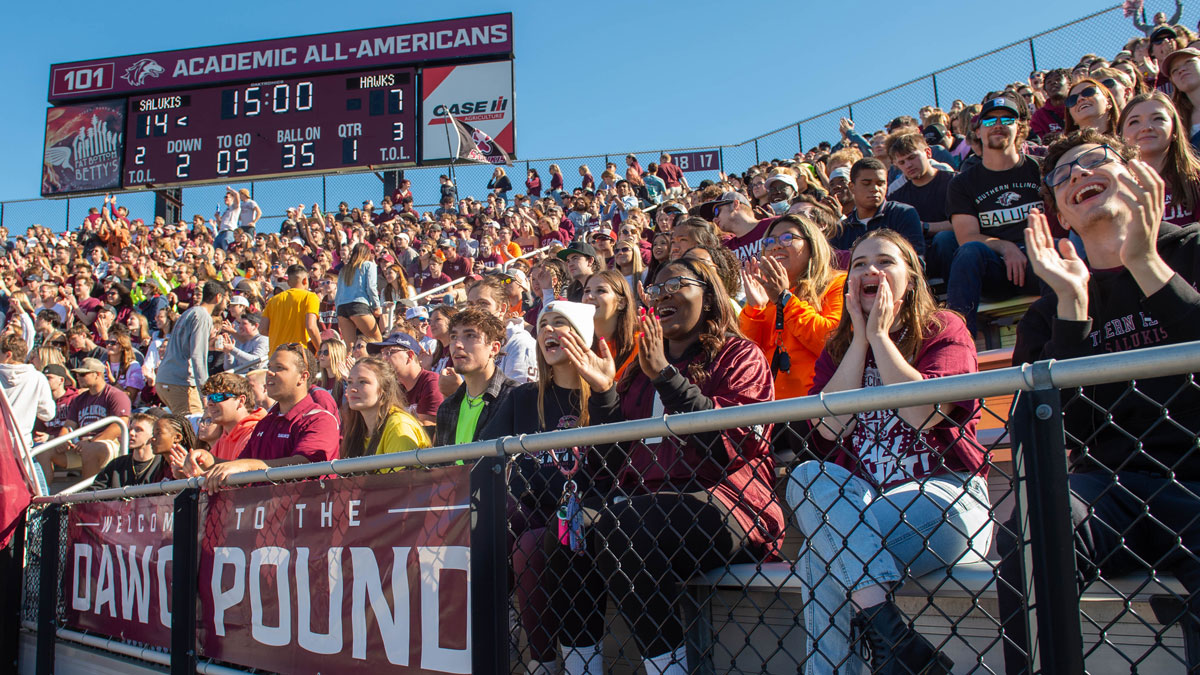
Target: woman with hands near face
[891, 474]
[793, 301]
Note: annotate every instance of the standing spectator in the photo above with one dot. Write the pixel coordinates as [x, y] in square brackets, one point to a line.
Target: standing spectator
[246, 349]
[1151, 123]
[476, 338]
[249, 214]
[588, 183]
[96, 400]
[988, 204]
[298, 429]
[292, 315]
[499, 184]
[672, 176]
[374, 420]
[448, 190]
[359, 309]
[656, 189]
[556, 183]
[1133, 480]
[633, 171]
[228, 220]
[185, 365]
[872, 210]
[27, 390]
[1183, 67]
[533, 184]
[1160, 18]
[900, 496]
[457, 266]
[420, 386]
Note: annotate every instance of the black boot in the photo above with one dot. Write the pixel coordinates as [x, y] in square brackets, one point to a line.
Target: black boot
[891, 647]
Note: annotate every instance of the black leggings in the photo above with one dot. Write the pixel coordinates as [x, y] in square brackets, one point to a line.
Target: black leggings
[642, 551]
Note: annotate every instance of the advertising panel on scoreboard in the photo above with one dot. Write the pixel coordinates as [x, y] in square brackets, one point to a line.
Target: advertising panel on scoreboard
[326, 123]
[479, 94]
[84, 146]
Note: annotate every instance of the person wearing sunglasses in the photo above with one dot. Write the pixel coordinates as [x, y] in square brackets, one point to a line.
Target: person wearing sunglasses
[1133, 487]
[988, 203]
[1183, 67]
[1091, 105]
[686, 504]
[627, 261]
[1163, 42]
[733, 214]
[793, 301]
[229, 403]
[1151, 123]
[1118, 82]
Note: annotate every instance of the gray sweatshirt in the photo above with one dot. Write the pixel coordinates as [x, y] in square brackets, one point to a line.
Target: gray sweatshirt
[186, 360]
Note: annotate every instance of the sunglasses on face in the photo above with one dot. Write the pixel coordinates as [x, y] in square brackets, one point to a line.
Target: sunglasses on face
[1091, 159]
[219, 397]
[624, 249]
[1073, 99]
[783, 240]
[991, 121]
[1110, 83]
[657, 292]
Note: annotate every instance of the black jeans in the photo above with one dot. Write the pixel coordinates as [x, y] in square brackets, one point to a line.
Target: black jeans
[642, 551]
[1130, 522]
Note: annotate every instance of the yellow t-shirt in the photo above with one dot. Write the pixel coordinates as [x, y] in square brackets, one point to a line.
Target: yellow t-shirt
[401, 432]
[287, 313]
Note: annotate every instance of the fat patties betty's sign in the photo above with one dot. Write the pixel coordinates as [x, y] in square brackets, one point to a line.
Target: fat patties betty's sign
[260, 60]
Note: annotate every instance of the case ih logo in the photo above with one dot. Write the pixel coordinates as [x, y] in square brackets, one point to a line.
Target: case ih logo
[467, 109]
[136, 74]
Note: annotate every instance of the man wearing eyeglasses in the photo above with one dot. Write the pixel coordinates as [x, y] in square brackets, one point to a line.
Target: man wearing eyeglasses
[1133, 491]
[988, 203]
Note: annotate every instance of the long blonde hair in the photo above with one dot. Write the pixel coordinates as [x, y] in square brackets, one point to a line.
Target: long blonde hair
[918, 313]
[339, 369]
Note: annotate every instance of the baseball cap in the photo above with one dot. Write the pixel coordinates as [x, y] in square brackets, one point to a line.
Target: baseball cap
[840, 172]
[59, 370]
[398, 339]
[935, 134]
[416, 313]
[89, 365]
[674, 208]
[604, 231]
[1171, 58]
[239, 300]
[445, 243]
[1161, 31]
[706, 209]
[785, 178]
[1001, 103]
[580, 247]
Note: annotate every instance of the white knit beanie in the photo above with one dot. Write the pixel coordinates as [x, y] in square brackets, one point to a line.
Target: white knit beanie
[581, 317]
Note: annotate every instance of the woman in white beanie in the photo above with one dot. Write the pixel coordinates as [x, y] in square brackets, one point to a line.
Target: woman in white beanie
[680, 505]
[557, 400]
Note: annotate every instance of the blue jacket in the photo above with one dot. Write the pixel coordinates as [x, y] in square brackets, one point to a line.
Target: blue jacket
[893, 215]
[364, 287]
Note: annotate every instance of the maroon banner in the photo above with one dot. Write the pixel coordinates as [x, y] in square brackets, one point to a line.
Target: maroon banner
[265, 59]
[118, 573]
[352, 575]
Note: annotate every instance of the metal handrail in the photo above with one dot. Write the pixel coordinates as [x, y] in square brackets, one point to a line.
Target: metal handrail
[438, 289]
[98, 425]
[1084, 371]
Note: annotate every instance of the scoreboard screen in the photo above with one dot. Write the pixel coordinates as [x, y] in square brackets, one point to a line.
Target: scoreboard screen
[278, 127]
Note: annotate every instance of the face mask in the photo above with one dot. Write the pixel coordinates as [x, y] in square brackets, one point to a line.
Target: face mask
[780, 208]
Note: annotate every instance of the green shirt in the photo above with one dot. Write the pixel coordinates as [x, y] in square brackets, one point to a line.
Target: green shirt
[468, 418]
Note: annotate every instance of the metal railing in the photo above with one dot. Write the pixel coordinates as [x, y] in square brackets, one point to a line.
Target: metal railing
[416, 299]
[1103, 32]
[85, 430]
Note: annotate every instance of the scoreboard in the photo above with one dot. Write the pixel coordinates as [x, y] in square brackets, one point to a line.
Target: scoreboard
[295, 106]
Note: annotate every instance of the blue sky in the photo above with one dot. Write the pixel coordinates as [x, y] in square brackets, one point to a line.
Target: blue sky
[615, 77]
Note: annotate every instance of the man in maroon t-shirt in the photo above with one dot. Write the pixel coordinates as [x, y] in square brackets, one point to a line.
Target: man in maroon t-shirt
[420, 386]
[300, 428]
[96, 400]
[672, 176]
[435, 276]
[456, 266]
[734, 216]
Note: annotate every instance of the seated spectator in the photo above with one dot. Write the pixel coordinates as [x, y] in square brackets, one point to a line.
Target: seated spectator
[419, 386]
[301, 427]
[248, 349]
[63, 391]
[143, 465]
[333, 367]
[229, 404]
[988, 203]
[895, 496]
[692, 232]
[499, 296]
[476, 339]
[81, 347]
[1050, 119]
[96, 400]
[1151, 123]
[374, 420]
[1183, 69]
[456, 265]
[1134, 486]
[734, 216]
[582, 262]
[1091, 105]
[681, 492]
[627, 261]
[124, 372]
[27, 390]
[793, 301]
[872, 210]
[615, 319]
[926, 186]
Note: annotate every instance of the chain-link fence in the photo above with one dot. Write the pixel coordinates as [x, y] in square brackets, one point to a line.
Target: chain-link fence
[1104, 33]
[922, 527]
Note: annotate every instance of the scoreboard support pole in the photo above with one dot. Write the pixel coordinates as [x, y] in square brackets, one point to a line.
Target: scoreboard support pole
[391, 181]
[168, 204]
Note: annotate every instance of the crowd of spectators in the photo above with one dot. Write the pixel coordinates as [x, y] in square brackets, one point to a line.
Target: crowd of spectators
[235, 343]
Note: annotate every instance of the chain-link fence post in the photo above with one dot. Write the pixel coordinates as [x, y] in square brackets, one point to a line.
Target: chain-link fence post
[1032, 56]
[489, 568]
[12, 558]
[47, 618]
[1037, 426]
[184, 582]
